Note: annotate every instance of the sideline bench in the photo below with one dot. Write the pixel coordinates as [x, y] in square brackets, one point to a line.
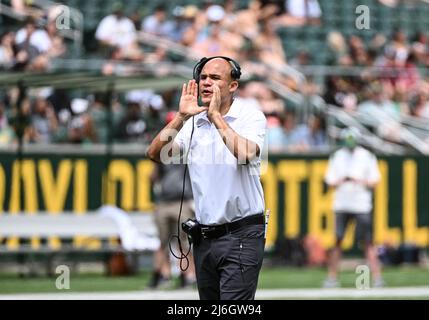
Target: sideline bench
[136, 232]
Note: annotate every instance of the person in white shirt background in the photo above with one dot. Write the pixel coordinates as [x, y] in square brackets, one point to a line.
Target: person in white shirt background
[116, 29]
[225, 138]
[353, 172]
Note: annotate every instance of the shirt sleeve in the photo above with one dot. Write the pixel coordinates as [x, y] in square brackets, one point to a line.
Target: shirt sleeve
[184, 135]
[331, 176]
[374, 175]
[254, 129]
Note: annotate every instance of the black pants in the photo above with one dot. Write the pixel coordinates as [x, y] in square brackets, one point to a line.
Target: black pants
[227, 268]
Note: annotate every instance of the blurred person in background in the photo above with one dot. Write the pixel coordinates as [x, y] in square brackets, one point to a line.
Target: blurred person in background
[300, 12]
[80, 126]
[168, 186]
[30, 43]
[311, 135]
[6, 132]
[420, 48]
[44, 121]
[384, 113]
[153, 116]
[26, 8]
[117, 31]
[158, 23]
[20, 121]
[7, 51]
[132, 127]
[353, 172]
[420, 105]
[99, 115]
[213, 39]
[270, 45]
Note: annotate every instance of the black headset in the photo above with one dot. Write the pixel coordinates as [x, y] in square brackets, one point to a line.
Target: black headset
[235, 72]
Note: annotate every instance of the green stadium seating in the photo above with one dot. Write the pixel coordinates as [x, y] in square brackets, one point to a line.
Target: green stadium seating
[336, 15]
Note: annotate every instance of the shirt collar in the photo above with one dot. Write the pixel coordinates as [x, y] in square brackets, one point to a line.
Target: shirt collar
[232, 113]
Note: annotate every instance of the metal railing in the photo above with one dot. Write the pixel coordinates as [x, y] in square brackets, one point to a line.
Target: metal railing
[406, 137]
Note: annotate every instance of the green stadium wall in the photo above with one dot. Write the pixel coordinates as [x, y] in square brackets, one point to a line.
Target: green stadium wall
[299, 201]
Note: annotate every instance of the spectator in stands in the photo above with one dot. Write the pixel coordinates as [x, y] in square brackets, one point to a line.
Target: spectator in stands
[300, 12]
[211, 41]
[338, 49]
[6, 132]
[153, 116]
[353, 172]
[44, 121]
[116, 30]
[270, 45]
[382, 112]
[7, 54]
[274, 134]
[37, 37]
[19, 6]
[247, 20]
[20, 120]
[230, 18]
[303, 58]
[378, 106]
[308, 10]
[57, 46]
[190, 29]
[290, 138]
[389, 3]
[377, 44]
[399, 47]
[132, 127]
[311, 135]
[400, 98]
[157, 23]
[60, 100]
[80, 127]
[358, 52]
[25, 8]
[30, 43]
[267, 99]
[421, 105]
[420, 48]
[183, 20]
[100, 118]
[340, 92]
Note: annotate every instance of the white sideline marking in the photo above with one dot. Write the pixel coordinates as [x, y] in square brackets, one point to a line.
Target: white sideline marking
[260, 294]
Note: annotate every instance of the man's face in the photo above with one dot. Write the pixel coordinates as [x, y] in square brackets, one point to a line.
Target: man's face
[216, 71]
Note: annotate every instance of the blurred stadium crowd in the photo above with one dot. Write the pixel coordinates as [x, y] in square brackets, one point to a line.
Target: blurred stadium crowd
[389, 81]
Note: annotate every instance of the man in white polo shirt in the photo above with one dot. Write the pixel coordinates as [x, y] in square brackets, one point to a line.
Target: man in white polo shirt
[222, 143]
[353, 172]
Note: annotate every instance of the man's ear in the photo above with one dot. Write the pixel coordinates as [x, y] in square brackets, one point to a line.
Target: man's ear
[233, 86]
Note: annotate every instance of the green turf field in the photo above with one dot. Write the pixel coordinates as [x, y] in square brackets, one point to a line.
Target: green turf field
[270, 278]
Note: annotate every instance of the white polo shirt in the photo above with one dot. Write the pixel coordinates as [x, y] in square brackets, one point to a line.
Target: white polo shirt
[360, 165]
[224, 191]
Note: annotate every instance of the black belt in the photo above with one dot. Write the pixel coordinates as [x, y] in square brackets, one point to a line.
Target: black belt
[217, 231]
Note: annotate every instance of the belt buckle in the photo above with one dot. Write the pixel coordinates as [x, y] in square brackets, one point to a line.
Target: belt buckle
[204, 231]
